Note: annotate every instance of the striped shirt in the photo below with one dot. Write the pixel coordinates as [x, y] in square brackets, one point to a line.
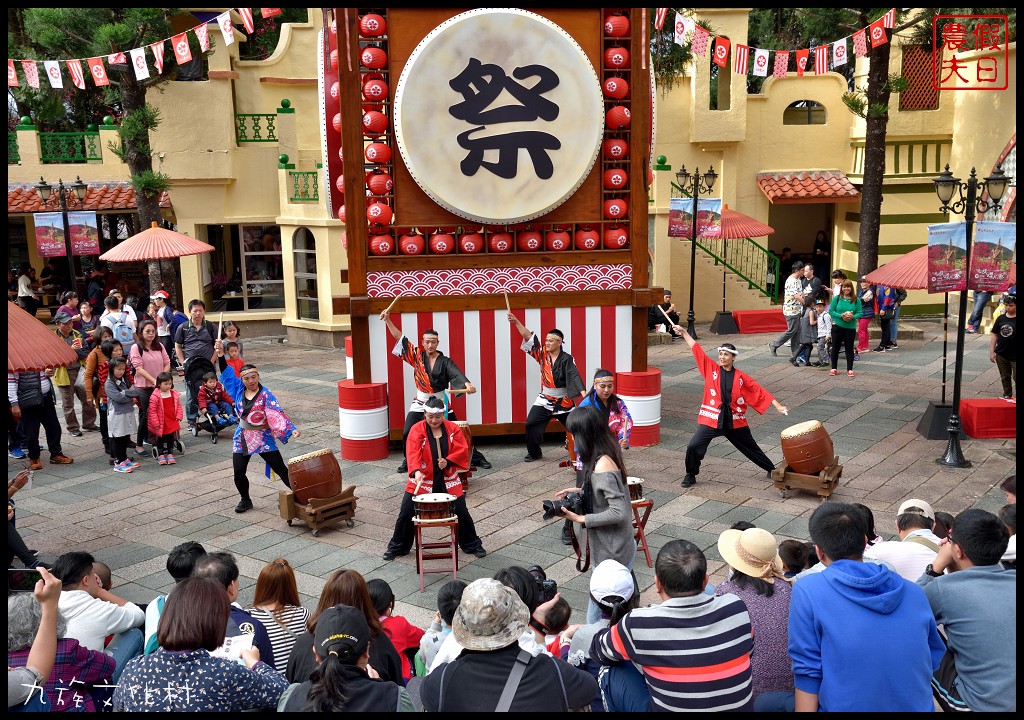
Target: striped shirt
[694, 652]
[282, 634]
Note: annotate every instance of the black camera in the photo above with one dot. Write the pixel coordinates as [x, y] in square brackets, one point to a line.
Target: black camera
[573, 502]
[546, 589]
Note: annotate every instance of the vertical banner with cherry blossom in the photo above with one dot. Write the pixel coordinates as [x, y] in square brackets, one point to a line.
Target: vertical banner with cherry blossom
[991, 256]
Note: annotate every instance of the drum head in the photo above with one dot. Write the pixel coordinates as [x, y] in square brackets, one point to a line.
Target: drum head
[801, 428]
[432, 498]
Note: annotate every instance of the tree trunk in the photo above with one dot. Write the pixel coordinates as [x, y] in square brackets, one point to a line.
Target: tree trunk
[878, 93]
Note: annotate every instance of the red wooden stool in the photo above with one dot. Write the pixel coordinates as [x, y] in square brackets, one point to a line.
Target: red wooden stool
[447, 549]
[640, 523]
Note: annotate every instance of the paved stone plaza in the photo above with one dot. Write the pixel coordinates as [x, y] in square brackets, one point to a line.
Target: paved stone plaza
[131, 521]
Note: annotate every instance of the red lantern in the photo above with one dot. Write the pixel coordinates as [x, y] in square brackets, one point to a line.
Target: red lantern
[411, 245]
[379, 182]
[442, 243]
[615, 179]
[334, 59]
[587, 239]
[374, 122]
[344, 240]
[616, 87]
[340, 183]
[471, 243]
[334, 27]
[336, 122]
[616, 57]
[615, 210]
[557, 240]
[615, 149]
[378, 153]
[615, 238]
[617, 118]
[375, 90]
[528, 241]
[373, 57]
[616, 26]
[650, 177]
[335, 90]
[382, 245]
[341, 213]
[500, 242]
[379, 213]
[372, 25]
[341, 154]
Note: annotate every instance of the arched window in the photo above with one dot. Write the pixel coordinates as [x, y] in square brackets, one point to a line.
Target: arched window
[804, 112]
[308, 300]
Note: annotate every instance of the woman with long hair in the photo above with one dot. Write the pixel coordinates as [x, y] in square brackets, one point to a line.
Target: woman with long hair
[149, 358]
[846, 310]
[346, 587]
[276, 605]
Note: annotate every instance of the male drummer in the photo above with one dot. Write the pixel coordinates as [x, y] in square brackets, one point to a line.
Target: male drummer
[432, 373]
[436, 450]
[560, 384]
[728, 392]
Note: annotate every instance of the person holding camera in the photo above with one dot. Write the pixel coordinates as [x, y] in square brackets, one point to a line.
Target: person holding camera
[602, 505]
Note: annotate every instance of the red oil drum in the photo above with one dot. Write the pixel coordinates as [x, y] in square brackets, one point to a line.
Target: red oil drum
[807, 447]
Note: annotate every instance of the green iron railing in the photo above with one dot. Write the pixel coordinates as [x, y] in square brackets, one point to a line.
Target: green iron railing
[305, 186]
[255, 127]
[69, 147]
[13, 158]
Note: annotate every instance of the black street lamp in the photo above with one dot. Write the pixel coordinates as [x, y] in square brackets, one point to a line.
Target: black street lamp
[968, 205]
[63, 197]
[694, 185]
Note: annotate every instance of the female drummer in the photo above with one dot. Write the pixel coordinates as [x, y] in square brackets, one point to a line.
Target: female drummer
[436, 450]
[261, 423]
[728, 392]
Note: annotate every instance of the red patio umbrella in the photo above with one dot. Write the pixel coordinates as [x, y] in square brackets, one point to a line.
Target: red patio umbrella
[156, 243]
[910, 272]
[735, 225]
[32, 345]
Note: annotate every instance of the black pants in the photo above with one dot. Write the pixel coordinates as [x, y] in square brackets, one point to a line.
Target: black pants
[15, 437]
[16, 547]
[104, 431]
[119, 447]
[845, 337]
[414, 417]
[741, 439]
[165, 445]
[405, 533]
[536, 423]
[143, 433]
[886, 324]
[240, 462]
[44, 414]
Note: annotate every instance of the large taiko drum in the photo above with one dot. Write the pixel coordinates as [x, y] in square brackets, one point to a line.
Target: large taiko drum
[466, 433]
[807, 447]
[314, 475]
[636, 488]
[434, 506]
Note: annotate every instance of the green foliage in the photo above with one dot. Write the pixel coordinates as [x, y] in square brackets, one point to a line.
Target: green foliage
[262, 42]
[857, 100]
[670, 60]
[150, 183]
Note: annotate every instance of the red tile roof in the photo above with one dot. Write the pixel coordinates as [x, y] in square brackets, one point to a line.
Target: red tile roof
[110, 196]
[807, 187]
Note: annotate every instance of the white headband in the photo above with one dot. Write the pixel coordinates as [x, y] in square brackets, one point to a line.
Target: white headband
[433, 411]
[736, 353]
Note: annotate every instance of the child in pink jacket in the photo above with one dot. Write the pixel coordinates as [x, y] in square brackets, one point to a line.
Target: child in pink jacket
[165, 415]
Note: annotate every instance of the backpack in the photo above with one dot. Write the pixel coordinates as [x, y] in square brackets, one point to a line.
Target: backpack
[123, 332]
[177, 319]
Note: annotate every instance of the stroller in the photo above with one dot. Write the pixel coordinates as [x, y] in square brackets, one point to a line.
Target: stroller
[195, 369]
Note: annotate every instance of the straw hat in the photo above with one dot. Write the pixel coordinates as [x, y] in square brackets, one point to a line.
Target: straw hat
[753, 552]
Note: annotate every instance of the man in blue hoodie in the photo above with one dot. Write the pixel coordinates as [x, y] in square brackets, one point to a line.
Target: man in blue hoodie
[861, 637]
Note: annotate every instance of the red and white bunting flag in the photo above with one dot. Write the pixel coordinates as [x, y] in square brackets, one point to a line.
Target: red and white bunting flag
[821, 60]
[721, 58]
[740, 55]
[700, 40]
[227, 29]
[52, 68]
[271, 12]
[75, 71]
[801, 61]
[760, 62]
[12, 74]
[659, 18]
[889, 19]
[246, 14]
[158, 56]
[860, 42]
[680, 28]
[839, 53]
[877, 30]
[182, 53]
[781, 64]
[203, 36]
[139, 63]
[99, 73]
[117, 59]
[31, 72]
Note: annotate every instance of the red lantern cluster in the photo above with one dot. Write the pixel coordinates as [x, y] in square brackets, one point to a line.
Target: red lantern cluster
[615, 149]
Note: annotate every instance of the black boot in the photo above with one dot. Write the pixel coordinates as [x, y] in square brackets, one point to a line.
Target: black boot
[689, 480]
[243, 505]
[403, 468]
[480, 461]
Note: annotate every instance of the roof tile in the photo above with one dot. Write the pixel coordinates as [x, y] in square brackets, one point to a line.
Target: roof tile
[111, 196]
[807, 187]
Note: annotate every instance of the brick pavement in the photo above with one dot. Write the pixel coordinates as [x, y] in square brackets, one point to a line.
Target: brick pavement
[131, 521]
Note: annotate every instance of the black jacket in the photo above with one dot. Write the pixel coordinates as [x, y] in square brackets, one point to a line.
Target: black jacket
[383, 658]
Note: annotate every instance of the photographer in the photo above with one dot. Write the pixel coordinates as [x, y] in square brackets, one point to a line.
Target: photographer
[606, 511]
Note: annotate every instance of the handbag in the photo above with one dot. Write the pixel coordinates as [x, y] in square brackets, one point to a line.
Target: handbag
[61, 377]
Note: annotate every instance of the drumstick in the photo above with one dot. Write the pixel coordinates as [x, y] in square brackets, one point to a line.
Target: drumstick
[670, 323]
[507, 306]
[220, 327]
[393, 303]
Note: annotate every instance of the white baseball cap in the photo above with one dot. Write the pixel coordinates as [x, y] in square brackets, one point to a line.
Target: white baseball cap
[916, 507]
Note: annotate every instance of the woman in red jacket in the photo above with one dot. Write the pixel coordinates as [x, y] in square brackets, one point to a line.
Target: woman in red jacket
[728, 392]
[436, 450]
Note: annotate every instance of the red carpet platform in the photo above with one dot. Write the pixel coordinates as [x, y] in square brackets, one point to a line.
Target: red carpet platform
[989, 417]
[759, 321]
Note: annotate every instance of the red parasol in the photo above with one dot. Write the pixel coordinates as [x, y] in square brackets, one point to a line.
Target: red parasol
[156, 243]
[33, 346]
[910, 272]
[737, 225]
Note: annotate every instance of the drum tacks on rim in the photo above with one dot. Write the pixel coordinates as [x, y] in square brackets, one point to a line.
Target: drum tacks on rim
[434, 507]
[807, 447]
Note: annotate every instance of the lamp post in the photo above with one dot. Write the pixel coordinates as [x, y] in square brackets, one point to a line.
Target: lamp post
[63, 197]
[968, 205]
[693, 185]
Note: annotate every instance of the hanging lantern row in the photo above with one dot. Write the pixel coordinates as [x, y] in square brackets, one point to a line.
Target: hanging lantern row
[446, 241]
